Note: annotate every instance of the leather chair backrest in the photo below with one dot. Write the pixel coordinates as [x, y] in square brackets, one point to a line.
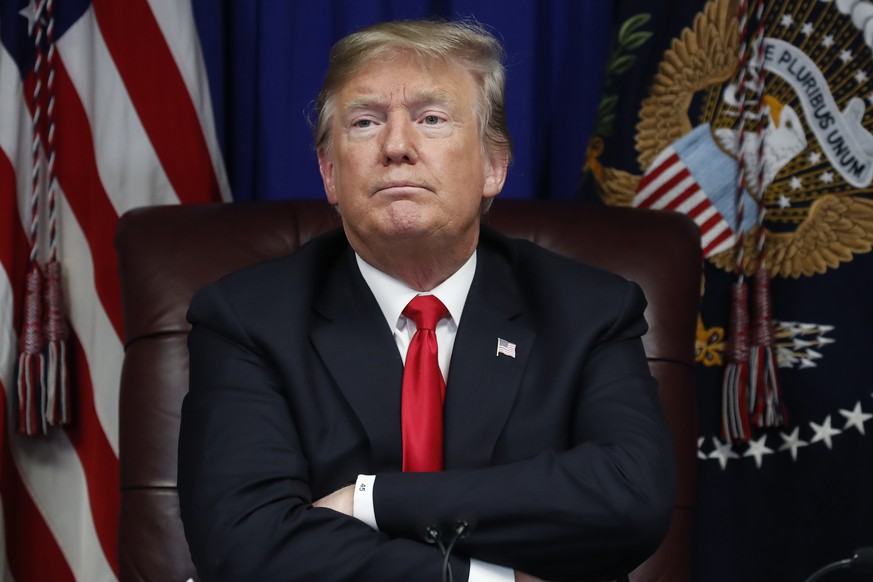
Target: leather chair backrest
[166, 253]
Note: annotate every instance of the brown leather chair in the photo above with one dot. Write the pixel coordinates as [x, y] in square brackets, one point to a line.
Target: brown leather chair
[167, 253]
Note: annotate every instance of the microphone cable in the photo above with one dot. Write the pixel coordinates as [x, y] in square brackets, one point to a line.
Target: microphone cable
[462, 530]
[861, 561]
[432, 535]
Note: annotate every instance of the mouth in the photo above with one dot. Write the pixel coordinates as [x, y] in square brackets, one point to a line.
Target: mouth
[401, 188]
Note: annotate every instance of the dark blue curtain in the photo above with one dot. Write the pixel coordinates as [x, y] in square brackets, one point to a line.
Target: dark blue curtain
[266, 60]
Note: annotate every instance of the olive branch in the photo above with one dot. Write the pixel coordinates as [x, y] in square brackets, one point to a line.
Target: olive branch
[621, 59]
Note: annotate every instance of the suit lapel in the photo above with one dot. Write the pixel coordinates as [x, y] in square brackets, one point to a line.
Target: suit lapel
[482, 384]
[360, 353]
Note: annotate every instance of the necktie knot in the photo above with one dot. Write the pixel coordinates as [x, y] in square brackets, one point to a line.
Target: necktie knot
[426, 311]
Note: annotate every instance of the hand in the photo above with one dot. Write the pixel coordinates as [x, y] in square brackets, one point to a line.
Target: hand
[341, 500]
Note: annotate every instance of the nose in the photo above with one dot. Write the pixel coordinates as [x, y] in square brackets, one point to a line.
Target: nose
[399, 141]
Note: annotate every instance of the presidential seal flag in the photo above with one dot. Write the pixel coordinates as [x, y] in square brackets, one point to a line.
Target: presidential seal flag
[102, 109]
[679, 129]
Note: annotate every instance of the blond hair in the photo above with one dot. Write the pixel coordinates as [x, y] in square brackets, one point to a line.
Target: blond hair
[464, 42]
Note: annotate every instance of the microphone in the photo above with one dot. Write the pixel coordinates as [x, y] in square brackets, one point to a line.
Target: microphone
[431, 534]
[861, 561]
[464, 526]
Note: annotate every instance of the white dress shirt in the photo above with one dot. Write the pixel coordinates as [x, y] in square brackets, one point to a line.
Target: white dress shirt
[392, 296]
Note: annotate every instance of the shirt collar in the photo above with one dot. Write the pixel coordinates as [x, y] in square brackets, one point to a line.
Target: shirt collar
[393, 295]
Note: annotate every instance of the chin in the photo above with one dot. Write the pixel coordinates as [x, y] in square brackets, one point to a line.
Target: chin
[406, 220]
[407, 231]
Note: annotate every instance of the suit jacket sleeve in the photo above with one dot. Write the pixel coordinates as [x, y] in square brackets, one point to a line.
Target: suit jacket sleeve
[590, 509]
[243, 479]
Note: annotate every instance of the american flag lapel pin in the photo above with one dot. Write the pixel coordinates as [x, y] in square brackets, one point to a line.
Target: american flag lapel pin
[506, 348]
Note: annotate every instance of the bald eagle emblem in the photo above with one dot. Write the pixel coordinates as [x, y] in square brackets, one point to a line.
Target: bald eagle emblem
[817, 149]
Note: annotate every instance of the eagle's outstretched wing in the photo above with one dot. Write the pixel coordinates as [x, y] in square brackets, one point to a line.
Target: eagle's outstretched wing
[702, 55]
[836, 228]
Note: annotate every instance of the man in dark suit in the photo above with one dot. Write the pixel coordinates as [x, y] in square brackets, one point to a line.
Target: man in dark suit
[308, 448]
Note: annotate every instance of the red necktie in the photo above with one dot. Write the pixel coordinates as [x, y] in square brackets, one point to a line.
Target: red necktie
[424, 390]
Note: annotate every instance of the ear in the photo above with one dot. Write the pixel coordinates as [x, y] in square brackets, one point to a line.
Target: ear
[325, 167]
[496, 165]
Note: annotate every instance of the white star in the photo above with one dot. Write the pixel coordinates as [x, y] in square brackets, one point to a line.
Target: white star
[792, 442]
[784, 201]
[856, 417]
[860, 77]
[807, 29]
[723, 452]
[846, 56]
[827, 41]
[787, 20]
[827, 177]
[758, 449]
[814, 157]
[795, 183]
[824, 432]
[29, 12]
[700, 454]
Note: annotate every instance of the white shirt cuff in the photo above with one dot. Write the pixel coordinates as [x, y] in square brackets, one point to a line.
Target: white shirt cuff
[364, 510]
[485, 572]
[363, 503]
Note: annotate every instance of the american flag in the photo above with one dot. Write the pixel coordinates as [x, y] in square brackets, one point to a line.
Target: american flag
[506, 348]
[133, 126]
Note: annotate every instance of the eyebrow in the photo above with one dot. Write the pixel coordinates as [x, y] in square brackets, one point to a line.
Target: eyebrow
[436, 96]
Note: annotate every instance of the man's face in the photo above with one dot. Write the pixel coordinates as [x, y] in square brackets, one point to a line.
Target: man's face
[406, 161]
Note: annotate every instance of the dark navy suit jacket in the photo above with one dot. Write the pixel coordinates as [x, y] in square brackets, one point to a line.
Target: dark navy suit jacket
[560, 456]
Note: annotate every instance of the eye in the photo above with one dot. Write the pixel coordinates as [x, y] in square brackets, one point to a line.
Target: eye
[363, 123]
[431, 119]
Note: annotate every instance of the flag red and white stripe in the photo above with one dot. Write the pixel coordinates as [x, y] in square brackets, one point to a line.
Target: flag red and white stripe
[669, 185]
[134, 127]
[696, 177]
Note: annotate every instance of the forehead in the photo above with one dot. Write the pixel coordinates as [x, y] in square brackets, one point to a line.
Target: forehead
[401, 75]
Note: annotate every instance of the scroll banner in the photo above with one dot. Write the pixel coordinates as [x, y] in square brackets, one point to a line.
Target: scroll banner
[845, 142]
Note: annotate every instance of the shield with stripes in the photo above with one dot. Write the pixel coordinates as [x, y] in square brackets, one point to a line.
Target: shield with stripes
[696, 177]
